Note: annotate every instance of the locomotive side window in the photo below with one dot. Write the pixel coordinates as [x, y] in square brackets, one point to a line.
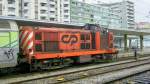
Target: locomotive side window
[82, 45]
[38, 36]
[87, 45]
[87, 36]
[82, 37]
[51, 42]
[85, 41]
[38, 41]
[38, 47]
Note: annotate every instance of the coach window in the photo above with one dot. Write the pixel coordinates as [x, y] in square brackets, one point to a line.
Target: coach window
[38, 36]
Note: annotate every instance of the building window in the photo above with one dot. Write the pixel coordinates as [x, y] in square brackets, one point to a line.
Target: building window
[66, 21]
[11, 9]
[66, 16]
[26, 4]
[73, 3]
[51, 0]
[65, 5]
[11, 1]
[52, 12]
[43, 18]
[51, 5]
[65, 11]
[43, 4]
[25, 16]
[52, 19]
[26, 11]
[92, 16]
[42, 11]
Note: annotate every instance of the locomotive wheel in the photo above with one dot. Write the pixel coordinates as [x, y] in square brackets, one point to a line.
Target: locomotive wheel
[24, 68]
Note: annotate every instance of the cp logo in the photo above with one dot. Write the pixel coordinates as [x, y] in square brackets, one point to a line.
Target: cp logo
[69, 39]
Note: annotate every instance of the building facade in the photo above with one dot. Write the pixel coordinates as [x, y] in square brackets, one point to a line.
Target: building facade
[114, 15]
[125, 10]
[81, 13]
[47, 10]
[9, 8]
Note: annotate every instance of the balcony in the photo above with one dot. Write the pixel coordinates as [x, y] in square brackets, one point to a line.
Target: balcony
[11, 13]
[130, 12]
[25, 7]
[42, 1]
[52, 2]
[44, 14]
[130, 9]
[12, 5]
[52, 9]
[66, 2]
[26, 1]
[130, 16]
[43, 8]
[66, 8]
[52, 15]
[131, 24]
[129, 2]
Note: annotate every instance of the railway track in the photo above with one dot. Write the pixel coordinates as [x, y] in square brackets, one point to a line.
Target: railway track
[109, 77]
[74, 73]
[140, 78]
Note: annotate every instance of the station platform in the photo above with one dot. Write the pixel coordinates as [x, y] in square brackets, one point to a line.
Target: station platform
[130, 53]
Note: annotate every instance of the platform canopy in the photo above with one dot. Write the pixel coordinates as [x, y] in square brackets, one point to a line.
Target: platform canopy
[129, 31]
[23, 22]
[30, 22]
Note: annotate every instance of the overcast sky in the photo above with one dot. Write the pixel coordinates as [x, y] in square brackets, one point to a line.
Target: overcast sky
[142, 8]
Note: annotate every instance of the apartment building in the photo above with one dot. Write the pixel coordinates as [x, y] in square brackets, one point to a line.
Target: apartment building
[38, 9]
[9, 8]
[47, 10]
[125, 10]
[81, 13]
[27, 9]
[114, 15]
[63, 11]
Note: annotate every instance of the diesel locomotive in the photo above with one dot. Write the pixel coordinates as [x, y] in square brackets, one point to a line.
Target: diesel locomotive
[41, 47]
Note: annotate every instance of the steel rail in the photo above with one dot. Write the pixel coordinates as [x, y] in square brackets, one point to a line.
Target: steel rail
[56, 74]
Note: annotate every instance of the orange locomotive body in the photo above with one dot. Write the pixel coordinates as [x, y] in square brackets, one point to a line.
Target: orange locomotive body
[53, 46]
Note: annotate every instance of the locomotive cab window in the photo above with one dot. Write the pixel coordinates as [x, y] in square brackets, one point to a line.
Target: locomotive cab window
[38, 36]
